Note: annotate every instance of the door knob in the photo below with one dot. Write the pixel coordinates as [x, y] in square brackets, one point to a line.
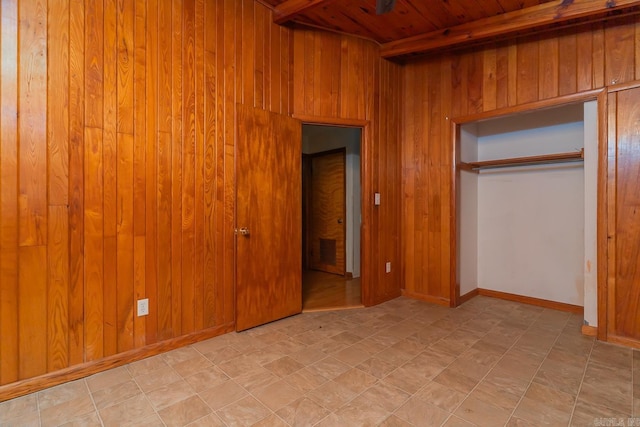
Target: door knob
[339, 220]
[244, 231]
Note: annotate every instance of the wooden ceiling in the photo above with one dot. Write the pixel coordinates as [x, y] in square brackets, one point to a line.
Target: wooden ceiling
[419, 26]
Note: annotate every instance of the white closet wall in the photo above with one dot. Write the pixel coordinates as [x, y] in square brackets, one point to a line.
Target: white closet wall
[522, 229]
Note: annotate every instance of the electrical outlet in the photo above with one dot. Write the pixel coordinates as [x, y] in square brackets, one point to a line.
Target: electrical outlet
[376, 199]
[143, 307]
[387, 267]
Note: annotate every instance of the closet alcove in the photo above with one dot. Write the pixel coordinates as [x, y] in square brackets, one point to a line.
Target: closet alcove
[526, 206]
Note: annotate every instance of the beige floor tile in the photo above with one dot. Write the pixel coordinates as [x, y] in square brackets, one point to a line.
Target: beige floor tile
[62, 393]
[115, 394]
[271, 421]
[277, 395]
[443, 397]
[191, 366]
[130, 411]
[67, 411]
[90, 420]
[612, 355]
[405, 378]
[238, 366]
[179, 355]
[223, 394]
[185, 411]
[420, 413]
[561, 376]
[263, 356]
[147, 365]
[482, 413]
[455, 380]
[305, 380]
[331, 395]
[31, 419]
[589, 414]
[376, 367]
[454, 421]
[21, 405]
[363, 411]
[257, 379]
[108, 378]
[207, 378]
[170, 394]
[302, 412]
[607, 395]
[329, 367]
[500, 396]
[356, 380]
[211, 420]
[244, 412]
[353, 355]
[284, 366]
[385, 395]
[153, 380]
[395, 421]
[221, 354]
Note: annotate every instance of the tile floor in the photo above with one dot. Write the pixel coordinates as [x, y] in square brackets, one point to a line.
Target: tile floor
[402, 363]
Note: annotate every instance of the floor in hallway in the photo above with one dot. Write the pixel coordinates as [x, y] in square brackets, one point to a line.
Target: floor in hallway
[324, 291]
[403, 363]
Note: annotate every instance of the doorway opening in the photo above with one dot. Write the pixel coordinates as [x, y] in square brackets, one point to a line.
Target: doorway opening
[331, 217]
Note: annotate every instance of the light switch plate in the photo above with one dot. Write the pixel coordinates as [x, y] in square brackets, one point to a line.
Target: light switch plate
[376, 199]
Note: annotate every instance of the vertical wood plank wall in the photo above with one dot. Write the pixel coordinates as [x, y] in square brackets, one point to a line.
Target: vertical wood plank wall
[496, 76]
[117, 169]
[341, 77]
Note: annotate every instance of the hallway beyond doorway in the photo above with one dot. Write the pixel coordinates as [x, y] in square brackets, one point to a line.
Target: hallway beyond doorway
[324, 291]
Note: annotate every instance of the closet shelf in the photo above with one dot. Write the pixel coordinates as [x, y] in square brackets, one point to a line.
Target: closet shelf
[574, 156]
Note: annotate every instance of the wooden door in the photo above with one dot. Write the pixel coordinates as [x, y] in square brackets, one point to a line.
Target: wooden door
[268, 254]
[624, 215]
[328, 212]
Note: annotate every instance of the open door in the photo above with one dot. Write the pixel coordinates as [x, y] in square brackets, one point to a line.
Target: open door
[328, 211]
[268, 217]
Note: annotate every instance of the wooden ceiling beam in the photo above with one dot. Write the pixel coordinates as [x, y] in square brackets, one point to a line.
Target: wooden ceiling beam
[289, 9]
[542, 15]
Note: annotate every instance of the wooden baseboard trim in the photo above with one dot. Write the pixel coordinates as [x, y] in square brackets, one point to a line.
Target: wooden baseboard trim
[627, 342]
[426, 298]
[590, 331]
[532, 301]
[466, 297]
[30, 385]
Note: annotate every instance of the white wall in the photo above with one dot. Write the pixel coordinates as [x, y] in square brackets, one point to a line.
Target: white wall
[530, 229]
[316, 139]
[468, 212]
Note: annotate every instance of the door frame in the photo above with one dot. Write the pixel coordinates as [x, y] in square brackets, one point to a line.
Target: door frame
[599, 95]
[366, 194]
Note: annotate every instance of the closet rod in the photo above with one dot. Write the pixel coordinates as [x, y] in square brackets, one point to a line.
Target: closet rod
[574, 156]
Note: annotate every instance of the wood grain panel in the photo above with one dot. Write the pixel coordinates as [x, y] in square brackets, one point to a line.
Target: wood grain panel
[571, 61]
[58, 94]
[32, 123]
[152, 97]
[93, 245]
[32, 311]
[76, 181]
[625, 292]
[8, 192]
[58, 289]
[360, 90]
[131, 155]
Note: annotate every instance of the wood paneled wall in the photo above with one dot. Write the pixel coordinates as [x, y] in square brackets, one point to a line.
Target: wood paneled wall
[339, 78]
[117, 169]
[496, 76]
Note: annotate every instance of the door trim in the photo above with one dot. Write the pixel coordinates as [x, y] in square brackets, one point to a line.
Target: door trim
[366, 195]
